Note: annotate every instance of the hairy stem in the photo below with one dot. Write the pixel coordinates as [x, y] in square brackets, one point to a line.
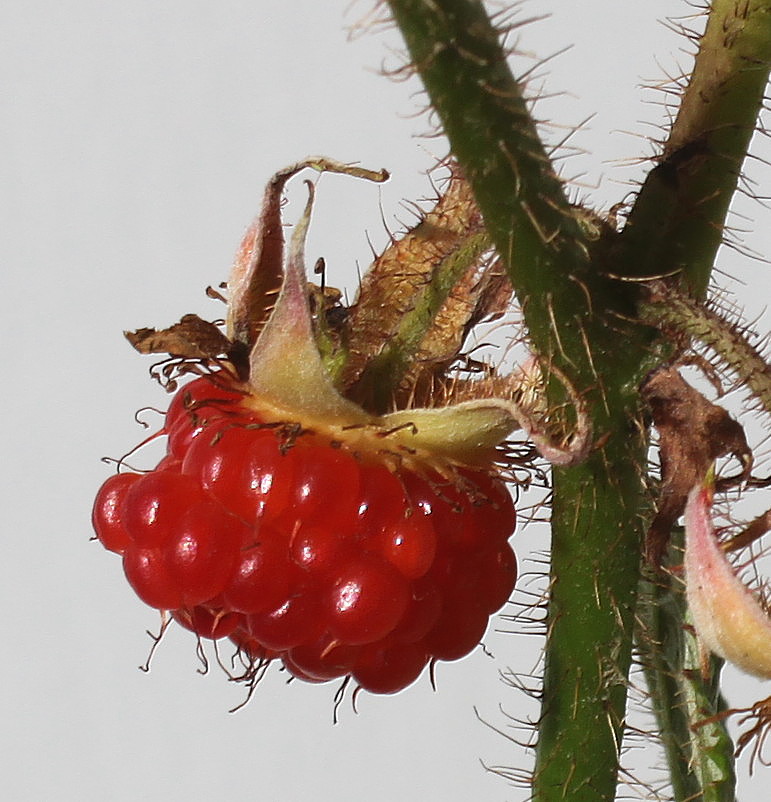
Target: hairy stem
[575, 315]
[457, 52]
[676, 225]
[687, 704]
[682, 317]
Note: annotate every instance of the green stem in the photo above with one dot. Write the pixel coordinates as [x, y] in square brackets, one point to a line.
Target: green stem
[595, 553]
[676, 225]
[485, 116]
[687, 705]
[576, 317]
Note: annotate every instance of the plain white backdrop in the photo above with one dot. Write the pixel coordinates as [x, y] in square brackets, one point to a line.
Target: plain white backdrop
[135, 141]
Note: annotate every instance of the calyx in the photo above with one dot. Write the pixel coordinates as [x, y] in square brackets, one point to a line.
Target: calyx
[270, 320]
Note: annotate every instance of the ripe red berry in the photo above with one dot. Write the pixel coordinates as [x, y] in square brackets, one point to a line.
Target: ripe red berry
[107, 517]
[293, 622]
[293, 515]
[241, 467]
[322, 660]
[409, 544]
[207, 623]
[300, 548]
[389, 669]
[148, 574]
[366, 601]
[154, 504]
[260, 581]
[197, 403]
[202, 553]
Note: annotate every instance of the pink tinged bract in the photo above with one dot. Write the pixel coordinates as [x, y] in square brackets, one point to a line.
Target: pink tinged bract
[727, 616]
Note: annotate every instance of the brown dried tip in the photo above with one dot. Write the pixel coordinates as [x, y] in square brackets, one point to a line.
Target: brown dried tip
[192, 338]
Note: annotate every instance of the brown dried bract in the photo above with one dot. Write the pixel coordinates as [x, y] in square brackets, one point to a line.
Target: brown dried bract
[191, 338]
[389, 288]
[693, 433]
[483, 293]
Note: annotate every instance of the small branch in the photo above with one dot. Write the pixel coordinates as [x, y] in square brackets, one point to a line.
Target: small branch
[676, 225]
[683, 318]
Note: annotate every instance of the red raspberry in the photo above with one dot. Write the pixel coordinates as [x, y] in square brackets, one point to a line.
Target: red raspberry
[366, 601]
[389, 669]
[261, 579]
[321, 660]
[208, 623]
[297, 518]
[300, 547]
[197, 403]
[107, 516]
[241, 467]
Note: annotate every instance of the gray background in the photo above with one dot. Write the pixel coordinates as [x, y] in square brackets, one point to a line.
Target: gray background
[135, 140]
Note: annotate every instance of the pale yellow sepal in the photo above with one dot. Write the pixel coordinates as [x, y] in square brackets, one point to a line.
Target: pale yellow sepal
[286, 369]
[727, 616]
[464, 432]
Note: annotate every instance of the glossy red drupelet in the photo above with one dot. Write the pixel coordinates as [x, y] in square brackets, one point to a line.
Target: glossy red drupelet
[299, 550]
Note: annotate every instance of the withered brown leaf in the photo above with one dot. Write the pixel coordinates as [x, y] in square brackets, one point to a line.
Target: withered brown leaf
[693, 433]
[192, 338]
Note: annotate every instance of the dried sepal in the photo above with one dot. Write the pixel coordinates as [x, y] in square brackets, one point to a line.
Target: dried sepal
[395, 323]
[192, 338]
[728, 618]
[484, 292]
[256, 275]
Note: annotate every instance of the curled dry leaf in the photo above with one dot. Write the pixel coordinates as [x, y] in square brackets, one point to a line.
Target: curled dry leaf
[693, 433]
[192, 338]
